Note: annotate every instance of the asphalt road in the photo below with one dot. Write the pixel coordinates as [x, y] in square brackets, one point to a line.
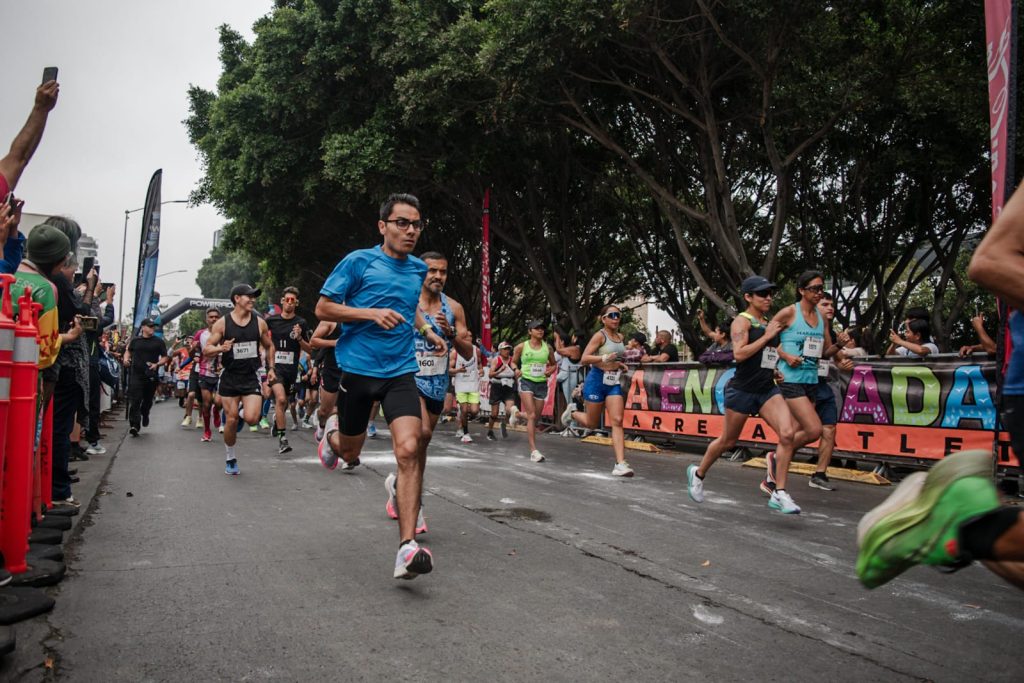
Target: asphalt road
[554, 571]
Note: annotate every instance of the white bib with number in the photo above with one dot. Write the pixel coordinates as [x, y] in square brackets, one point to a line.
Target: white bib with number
[244, 350]
[431, 365]
[813, 346]
[611, 377]
[181, 384]
[769, 357]
[284, 358]
[822, 368]
[507, 381]
[536, 370]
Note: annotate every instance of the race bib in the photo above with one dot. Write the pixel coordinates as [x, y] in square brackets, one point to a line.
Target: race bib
[822, 368]
[611, 377]
[181, 385]
[430, 365]
[813, 346]
[535, 370]
[284, 358]
[769, 357]
[507, 381]
[244, 350]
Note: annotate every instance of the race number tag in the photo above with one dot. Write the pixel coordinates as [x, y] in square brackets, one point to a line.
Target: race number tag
[769, 357]
[611, 377]
[244, 350]
[181, 384]
[813, 346]
[822, 368]
[536, 370]
[284, 358]
[507, 382]
[430, 365]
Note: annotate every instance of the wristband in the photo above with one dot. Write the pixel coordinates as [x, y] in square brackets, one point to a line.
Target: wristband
[424, 329]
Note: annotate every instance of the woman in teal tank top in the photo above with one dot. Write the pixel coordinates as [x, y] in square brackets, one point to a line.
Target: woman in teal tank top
[603, 386]
[805, 342]
[535, 361]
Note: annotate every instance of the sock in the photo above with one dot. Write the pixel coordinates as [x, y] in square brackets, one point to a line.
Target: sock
[229, 453]
[698, 476]
[407, 541]
[981, 533]
[216, 419]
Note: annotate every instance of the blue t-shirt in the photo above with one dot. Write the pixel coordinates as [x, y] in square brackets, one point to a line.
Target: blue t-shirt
[1013, 383]
[369, 278]
[433, 384]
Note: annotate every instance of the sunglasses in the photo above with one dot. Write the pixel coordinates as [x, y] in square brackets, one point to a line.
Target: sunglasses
[817, 289]
[614, 315]
[765, 293]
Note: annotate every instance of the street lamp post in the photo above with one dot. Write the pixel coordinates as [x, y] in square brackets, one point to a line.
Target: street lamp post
[124, 249]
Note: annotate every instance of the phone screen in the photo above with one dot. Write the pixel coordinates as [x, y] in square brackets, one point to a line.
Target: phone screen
[49, 74]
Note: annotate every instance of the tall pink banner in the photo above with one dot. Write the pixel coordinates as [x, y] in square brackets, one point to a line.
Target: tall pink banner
[485, 275]
[999, 42]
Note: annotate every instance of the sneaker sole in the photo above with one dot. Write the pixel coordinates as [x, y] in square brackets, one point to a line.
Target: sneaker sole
[690, 475]
[911, 504]
[420, 563]
[824, 487]
[286, 449]
[766, 488]
[624, 475]
[775, 506]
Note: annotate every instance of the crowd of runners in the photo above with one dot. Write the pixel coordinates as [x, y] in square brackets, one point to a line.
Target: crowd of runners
[390, 340]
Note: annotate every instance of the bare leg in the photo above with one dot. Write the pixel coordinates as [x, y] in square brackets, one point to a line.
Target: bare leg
[280, 405]
[328, 399]
[532, 408]
[405, 438]
[730, 433]
[808, 422]
[826, 446]
[778, 416]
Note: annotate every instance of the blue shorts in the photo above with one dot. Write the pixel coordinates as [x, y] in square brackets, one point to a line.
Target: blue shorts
[596, 391]
[825, 404]
[745, 402]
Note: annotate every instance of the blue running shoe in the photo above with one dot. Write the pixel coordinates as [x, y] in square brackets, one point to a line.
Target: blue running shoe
[231, 466]
[371, 430]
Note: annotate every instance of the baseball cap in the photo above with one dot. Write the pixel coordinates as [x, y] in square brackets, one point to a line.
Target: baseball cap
[504, 345]
[756, 283]
[148, 322]
[640, 337]
[247, 290]
[534, 324]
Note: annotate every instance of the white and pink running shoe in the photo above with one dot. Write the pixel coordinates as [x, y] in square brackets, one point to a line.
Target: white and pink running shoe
[412, 560]
[328, 458]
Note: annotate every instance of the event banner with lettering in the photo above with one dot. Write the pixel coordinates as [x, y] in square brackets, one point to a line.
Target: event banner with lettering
[888, 409]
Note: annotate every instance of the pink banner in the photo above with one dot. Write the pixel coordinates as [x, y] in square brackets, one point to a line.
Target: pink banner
[485, 275]
[999, 42]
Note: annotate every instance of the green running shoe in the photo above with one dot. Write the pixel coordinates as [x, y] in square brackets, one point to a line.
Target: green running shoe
[920, 522]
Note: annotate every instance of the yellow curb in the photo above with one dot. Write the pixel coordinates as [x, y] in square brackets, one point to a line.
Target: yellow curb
[839, 473]
[631, 445]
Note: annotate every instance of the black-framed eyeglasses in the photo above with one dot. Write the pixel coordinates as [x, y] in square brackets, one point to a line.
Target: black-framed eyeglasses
[817, 289]
[405, 223]
[613, 315]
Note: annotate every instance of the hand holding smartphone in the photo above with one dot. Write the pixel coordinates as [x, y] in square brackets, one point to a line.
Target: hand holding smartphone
[49, 74]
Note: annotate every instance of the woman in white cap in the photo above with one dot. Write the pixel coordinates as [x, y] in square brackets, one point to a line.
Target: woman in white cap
[503, 388]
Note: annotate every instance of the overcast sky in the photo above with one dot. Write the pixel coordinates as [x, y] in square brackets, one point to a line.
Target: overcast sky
[125, 68]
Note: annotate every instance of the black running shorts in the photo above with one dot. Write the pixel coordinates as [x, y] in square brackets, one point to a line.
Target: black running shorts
[286, 377]
[238, 384]
[398, 397]
[330, 378]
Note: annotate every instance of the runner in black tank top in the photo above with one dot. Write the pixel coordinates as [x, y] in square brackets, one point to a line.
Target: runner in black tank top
[238, 337]
[752, 391]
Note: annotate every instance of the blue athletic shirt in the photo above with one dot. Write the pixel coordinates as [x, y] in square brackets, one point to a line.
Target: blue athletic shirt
[369, 278]
[1013, 383]
[434, 386]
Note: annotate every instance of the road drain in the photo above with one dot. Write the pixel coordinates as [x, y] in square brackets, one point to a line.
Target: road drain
[516, 513]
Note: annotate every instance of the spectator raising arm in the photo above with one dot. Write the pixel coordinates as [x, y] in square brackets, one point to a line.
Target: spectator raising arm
[26, 142]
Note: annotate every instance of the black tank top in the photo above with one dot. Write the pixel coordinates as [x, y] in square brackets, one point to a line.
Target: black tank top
[327, 356]
[750, 376]
[244, 356]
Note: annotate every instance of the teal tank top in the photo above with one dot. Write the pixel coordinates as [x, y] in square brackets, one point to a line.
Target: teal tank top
[800, 339]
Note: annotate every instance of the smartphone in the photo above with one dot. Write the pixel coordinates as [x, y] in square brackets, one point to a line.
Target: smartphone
[90, 323]
[49, 74]
[87, 264]
[78, 279]
[106, 285]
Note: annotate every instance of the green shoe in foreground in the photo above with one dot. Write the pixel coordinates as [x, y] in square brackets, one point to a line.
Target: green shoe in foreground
[920, 522]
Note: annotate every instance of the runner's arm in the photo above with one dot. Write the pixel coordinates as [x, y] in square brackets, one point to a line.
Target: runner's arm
[998, 262]
[317, 341]
[212, 347]
[590, 356]
[267, 342]
[463, 341]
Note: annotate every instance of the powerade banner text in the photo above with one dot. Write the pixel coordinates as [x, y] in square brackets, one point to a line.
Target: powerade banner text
[887, 408]
[149, 251]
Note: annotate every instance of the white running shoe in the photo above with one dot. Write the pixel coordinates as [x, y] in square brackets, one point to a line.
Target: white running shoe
[513, 416]
[221, 429]
[328, 458]
[536, 456]
[566, 417]
[622, 469]
[412, 560]
[95, 449]
[421, 522]
[390, 485]
[694, 485]
[459, 433]
[782, 502]
[187, 422]
[466, 438]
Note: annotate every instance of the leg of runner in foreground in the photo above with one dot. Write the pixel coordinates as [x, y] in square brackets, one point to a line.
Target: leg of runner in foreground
[536, 361]
[950, 515]
[447, 318]
[374, 294]
[237, 338]
[752, 391]
[604, 354]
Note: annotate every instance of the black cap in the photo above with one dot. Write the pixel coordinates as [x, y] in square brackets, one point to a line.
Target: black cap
[756, 283]
[640, 337]
[534, 324]
[245, 289]
[148, 322]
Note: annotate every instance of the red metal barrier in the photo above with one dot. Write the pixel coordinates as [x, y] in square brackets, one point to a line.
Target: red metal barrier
[17, 484]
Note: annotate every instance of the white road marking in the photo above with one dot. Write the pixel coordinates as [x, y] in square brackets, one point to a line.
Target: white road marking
[702, 613]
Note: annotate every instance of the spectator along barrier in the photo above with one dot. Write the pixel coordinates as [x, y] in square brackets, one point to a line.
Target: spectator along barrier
[899, 411]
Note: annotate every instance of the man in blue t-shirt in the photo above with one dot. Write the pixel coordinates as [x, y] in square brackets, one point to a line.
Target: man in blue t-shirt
[374, 294]
[952, 516]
